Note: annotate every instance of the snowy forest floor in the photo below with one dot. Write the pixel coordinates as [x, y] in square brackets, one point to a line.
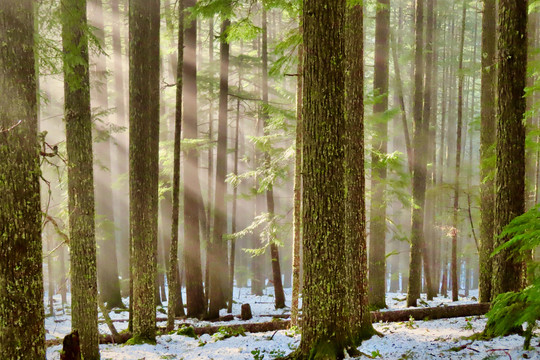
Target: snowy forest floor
[435, 339]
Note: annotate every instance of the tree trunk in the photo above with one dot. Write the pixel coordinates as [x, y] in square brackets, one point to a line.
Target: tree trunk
[419, 166]
[21, 277]
[377, 232]
[175, 301]
[192, 195]
[297, 221]
[279, 295]
[143, 154]
[218, 247]
[109, 284]
[510, 174]
[80, 177]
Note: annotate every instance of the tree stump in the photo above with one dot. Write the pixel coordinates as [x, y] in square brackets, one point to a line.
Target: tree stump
[246, 312]
[71, 349]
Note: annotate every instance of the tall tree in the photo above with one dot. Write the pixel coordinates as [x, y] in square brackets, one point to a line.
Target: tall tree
[77, 113]
[325, 326]
[218, 247]
[143, 161]
[109, 284]
[454, 273]
[172, 275]
[192, 193]
[419, 165]
[279, 295]
[510, 148]
[354, 180]
[22, 328]
[377, 233]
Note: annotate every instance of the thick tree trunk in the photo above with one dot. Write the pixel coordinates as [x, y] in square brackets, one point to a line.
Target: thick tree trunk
[80, 177]
[377, 232]
[192, 195]
[22, 334]
[143, 154]
[510, 174]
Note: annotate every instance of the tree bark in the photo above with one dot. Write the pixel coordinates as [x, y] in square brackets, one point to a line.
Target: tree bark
[510, 148]
[22, 333]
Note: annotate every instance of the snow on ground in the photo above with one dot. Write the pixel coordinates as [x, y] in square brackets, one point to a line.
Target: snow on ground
[433, 339]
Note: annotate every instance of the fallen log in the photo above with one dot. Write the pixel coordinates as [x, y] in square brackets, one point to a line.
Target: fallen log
[432, 313]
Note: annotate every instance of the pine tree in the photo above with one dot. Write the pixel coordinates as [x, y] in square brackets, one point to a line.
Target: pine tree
[377, 237]
[143, 161]
[22, 328]
[510, 149]
[192, 193]
[80, 176]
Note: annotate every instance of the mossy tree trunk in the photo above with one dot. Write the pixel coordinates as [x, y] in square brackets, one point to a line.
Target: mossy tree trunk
[326, 330]
[377, 233]
[354, 179]
[510, 148]
[22, 328]
[175, 306]
[77, 114]
[143, 161]
[218, 247]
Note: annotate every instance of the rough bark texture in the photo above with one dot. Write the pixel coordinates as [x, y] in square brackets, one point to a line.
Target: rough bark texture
[325, 326]
[143, 161]
[109, 284]
[510, 173]
[377, 232]
[172, 274]
[80, 176]
[192, 193]
[22, 332]
[419, 166]
[297, 220]
[487, 145]
[279, 295]
[218, 247]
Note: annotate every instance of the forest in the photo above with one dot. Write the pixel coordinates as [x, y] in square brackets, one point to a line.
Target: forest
[269, 179]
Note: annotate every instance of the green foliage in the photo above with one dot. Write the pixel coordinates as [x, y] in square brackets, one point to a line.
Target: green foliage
[512, 310]
[227, 332]
[188, 331]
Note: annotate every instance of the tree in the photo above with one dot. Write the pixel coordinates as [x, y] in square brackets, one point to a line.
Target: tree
[354, 180]
[192, 193]
[419, 165]
[173, 278]
[109, 284]
[77, 113]
[487, 147]
[510, 149]
[377, 237]
[22, 328]
[325, 325]
[143, 161]
[458, 158]
[218, 247]
[279, 295]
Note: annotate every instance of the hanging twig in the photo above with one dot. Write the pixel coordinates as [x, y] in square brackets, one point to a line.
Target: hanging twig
[11, 128]
[471, 221]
